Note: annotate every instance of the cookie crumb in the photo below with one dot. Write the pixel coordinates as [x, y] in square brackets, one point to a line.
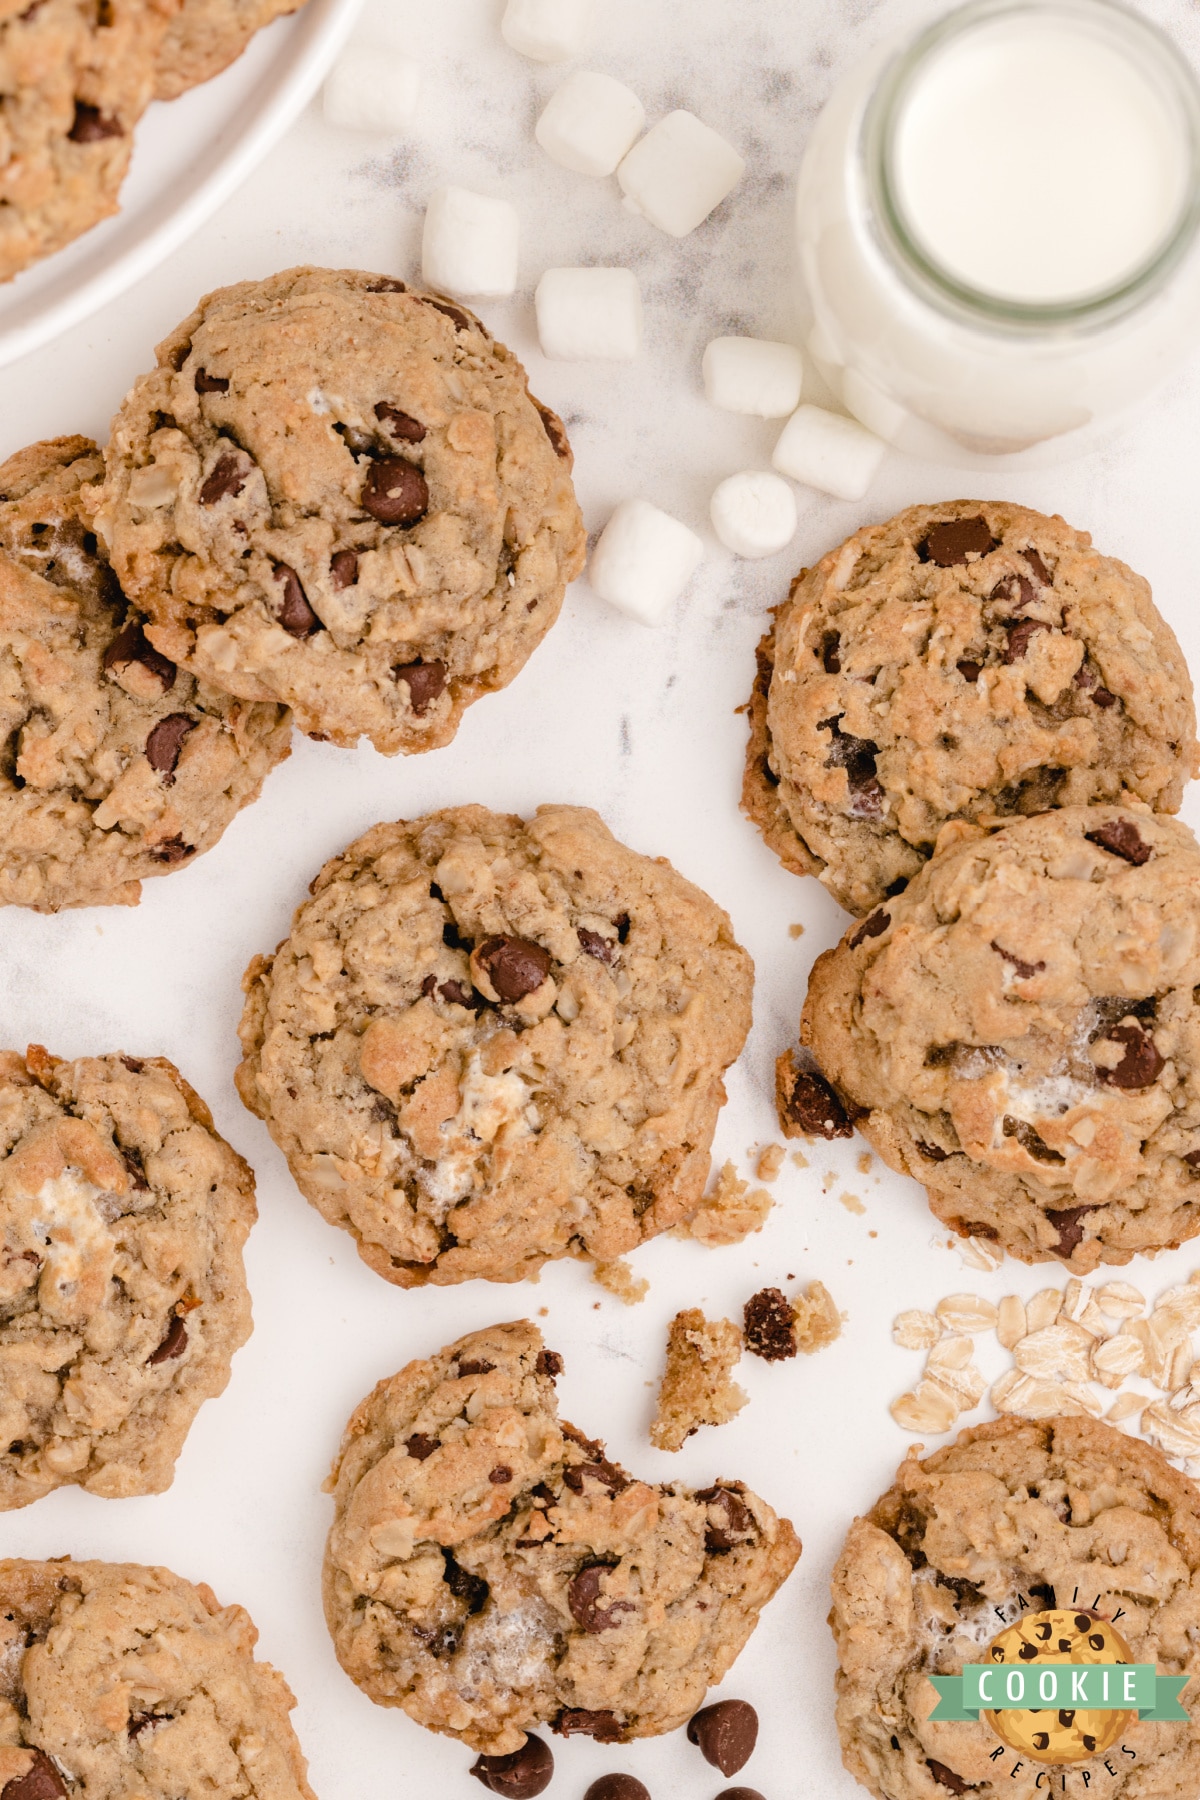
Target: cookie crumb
[696, 1389]
[801, 1161]
[729, 1213]
[770, 1162]
[852, 1203]
[818, 1321]
[619, 1279]
[795, 931]
[769, 1323]
[864, 1163]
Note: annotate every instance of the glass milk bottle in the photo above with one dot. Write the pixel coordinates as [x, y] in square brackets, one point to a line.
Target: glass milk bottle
[998, 228]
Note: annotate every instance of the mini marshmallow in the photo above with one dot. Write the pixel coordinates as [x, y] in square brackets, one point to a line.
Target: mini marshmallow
[679, 173]
[643, 561]
[590, 123]
[470, 243]
[829, 452]
[589, 315]
[548, 30]
[750, 375]
[754, 514]
[373, 89]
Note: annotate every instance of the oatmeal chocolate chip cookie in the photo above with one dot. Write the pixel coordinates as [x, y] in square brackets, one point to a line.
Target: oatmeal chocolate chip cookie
[337, 492]
[120, 1680]
[1020, 1031]
[963, 661]
[1013, 1518]
[206, 36]
[489, 1570]
[487, 1043]
[122, 1297]
[114, 764]
[76, 77]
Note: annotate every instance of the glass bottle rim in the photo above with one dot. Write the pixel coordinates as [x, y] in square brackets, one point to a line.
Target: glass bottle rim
[960, 299]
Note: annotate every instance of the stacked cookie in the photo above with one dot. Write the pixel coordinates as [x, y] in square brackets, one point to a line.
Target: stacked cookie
[333, 497]
[974, 728]
[76, 78]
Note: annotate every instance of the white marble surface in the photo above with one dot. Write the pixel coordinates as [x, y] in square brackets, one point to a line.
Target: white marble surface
[640, 724]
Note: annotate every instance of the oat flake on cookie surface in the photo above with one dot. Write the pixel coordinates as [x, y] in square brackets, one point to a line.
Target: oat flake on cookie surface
[961, 661]
[336, 491]
[119, 1680]
[490, 1570]
[487, 1042]
[115, 766]
[122, 1294]
[1020, 1031]
[1013, 1518]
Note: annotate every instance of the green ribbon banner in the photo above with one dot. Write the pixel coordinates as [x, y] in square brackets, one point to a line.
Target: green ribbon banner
[1087, 1687]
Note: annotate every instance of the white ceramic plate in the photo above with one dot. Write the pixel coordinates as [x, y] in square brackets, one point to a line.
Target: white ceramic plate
[190, 154]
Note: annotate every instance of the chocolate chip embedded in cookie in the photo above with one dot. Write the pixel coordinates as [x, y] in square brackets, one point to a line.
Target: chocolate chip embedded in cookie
[1014, 1521]
[959, 662]
[1023, 1036]
[486, 1043]
[335, 491]
[570, 1594]
[115, 765]
[122, 1220]
[119, 1678]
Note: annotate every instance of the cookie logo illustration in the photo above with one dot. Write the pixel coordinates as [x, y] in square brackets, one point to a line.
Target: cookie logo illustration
[1060, 1734]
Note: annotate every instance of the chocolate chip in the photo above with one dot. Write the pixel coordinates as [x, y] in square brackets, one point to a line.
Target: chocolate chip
[462, 321]
[41, 1781]
[515, 966]
[583, 1598]
[969, 670]
[425, 682]
[360, 444]
[617, 1787]
[165, 742]
[387, 284]
[1192, 1159]
[131, 645]
[419, 1445]
[1085, 676]
[549, 1363]
[139, 1722]
[554, 430]
[1068, 1224]
[1140, 1066]
[499, 1475]
[931, 1152]
[593, 1446]
[769, 1324]
[291, 608]
[1066, 1716]
[737, 1521]
[173, 1345]
[89, 126]
[463, 1585]
[815, 1109]
[1020, 631]
[210, 384]
[831, 643]
[1041, 573]
[1029, 1652]
[857, 756]
[478, 1366]
[134, 1064]
[725, 1734]
[744, 1793]
[1025, 970]
[171, 851]
[137, 1172]
[343, 569]
[224, 479]
[399, 425]
[1029, 1140]
[954, 540]
[454, 993]
[1041, 1740]
[592, 943]
[1016, 590]
[873, 927]
[519, 1775]
[394, 492]
[946, 1777]
[579, 1721]
[1102, 697]
[1121, 838]
[606, 1473]
[1082, 1621]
